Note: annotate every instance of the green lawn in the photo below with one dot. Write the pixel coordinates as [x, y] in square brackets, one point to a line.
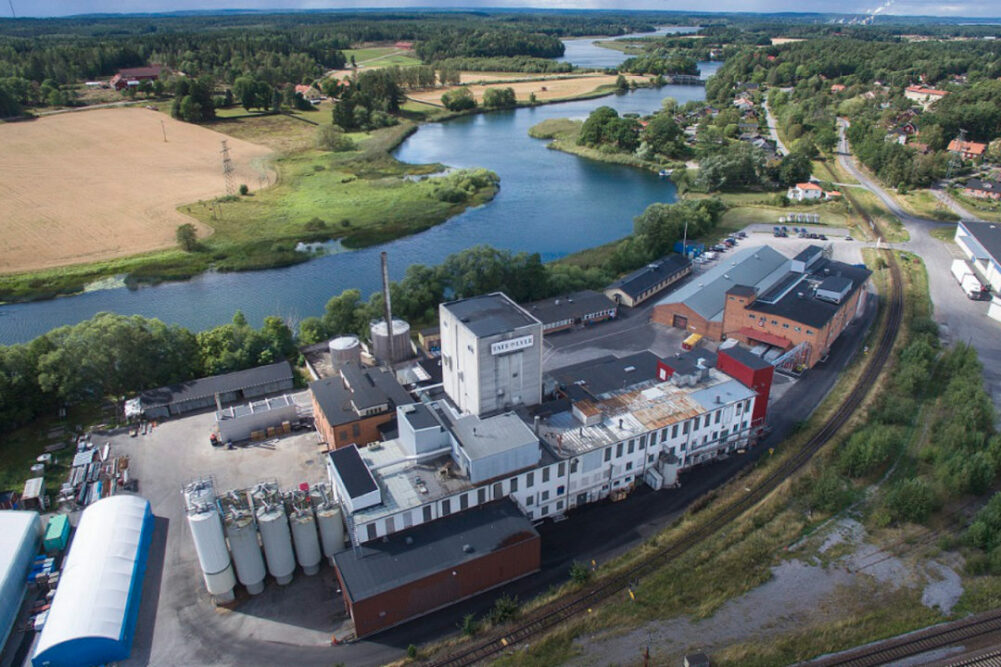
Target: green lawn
[946, 234]
[984, 209]
[893, 228]
[386, 55]
[924, 204]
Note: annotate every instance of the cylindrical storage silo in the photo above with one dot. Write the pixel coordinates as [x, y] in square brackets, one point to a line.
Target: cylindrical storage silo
[307, 543]
[390, 349]
[210, 545]
[328, 518]
[345, 350]
[246, 550]
[277, 541]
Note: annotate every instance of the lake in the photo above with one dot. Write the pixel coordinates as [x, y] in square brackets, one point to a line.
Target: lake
[549, 202]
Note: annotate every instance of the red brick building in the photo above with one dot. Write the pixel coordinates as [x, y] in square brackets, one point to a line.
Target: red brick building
[355, 406]
[411, 573]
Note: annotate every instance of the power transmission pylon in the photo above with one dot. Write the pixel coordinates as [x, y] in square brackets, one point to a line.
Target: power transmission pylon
[956, 161]
[227, 170]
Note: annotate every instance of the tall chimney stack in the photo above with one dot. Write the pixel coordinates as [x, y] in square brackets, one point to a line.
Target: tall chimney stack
[385, 297]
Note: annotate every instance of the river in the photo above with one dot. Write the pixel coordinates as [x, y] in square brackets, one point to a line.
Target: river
[549, 202]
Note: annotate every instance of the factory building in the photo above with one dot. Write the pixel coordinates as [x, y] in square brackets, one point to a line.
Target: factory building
[795, 308]
[578, 309]
[356, 406]
[201, 394]
[651, 280]
[491, 351]
[417, 571]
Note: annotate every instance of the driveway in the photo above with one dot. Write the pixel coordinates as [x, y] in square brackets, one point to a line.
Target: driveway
[771, 128]
[960, 318]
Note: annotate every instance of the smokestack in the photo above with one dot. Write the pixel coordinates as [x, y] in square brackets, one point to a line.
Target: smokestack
[385, 295]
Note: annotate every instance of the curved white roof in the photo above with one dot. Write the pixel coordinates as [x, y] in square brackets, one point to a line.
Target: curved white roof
[96, 579]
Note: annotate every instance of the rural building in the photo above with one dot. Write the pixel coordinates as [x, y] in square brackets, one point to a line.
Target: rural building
[923, 95]
[762, 298]
[499, 346]
[430, 340]
[565, 312]
[184, 397]
[983, 188]
[838, 88]
[642, 284]
[20, 538]
[805, 191]
[244, 422]
[968, 150]
[425, 568]
[133, 76]
[93, 615]
[981, 243]
[356, 405]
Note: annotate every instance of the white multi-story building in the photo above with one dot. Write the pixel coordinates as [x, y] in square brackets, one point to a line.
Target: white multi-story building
[491, 354]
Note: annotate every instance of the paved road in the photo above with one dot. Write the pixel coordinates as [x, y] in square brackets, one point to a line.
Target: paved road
[960, 318]
[771, 129]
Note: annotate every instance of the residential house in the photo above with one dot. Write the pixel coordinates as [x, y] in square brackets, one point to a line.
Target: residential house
[968, 150]
[923, 95]
[805, 191]
[983, 188]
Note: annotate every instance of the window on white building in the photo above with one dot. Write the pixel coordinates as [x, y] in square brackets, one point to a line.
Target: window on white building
[529, 480]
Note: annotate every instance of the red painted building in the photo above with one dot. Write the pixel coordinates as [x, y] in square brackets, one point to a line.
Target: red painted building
[417, 571]
[753, 372]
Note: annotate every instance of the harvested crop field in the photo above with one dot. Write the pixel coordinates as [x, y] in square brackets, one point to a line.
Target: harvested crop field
[554, 89]
[95, 185]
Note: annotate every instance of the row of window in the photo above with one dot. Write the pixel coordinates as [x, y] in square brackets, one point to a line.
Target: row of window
[785, 325]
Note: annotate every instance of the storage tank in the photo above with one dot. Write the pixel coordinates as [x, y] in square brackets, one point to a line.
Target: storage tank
[345, 350]
[391, 349]
[307, 543]
[244, 545]
[210, 544]
[275, 534]
[331, 525]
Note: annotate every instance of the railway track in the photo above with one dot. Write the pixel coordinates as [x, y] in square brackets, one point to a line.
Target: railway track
[553, 614]
[922, 641]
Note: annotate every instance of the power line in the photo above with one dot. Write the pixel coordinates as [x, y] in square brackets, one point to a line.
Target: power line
[227, 170]
[13, 15]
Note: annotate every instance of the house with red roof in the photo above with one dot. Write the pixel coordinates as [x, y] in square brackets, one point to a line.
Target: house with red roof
[924, 95]
[805, 191]
[133, 76]
[968, 150]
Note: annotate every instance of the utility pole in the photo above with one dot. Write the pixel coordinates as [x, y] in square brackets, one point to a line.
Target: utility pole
[163, 126]
[227, 169]
[956, 161]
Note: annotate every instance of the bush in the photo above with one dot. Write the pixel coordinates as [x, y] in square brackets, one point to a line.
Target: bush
[580, 573]
[332, 138]
[499, 98]
[459, 99]
[244, 190]
[187, 237]
[505, 608]
[315, 225]
[829, 493]
[911, 500]
[470, 626]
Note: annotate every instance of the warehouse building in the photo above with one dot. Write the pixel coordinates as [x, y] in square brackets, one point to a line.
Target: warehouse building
[201, 394]
[797, 307]
[93, 615]
[265, 417]
[419, 570]
[652, 279]
[491, 353]
[981, 243]
[357, 405]
[565, 312]
[20, 538]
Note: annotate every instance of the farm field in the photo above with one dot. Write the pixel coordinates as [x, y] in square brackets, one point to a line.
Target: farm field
[555, 89]
[103, 184]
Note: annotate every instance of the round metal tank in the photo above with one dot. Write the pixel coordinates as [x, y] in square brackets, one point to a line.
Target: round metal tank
[246, 550]
[328, 518]
[277, 541]
[391, 349]
[345, 350]
[307, 544]
[210, 545]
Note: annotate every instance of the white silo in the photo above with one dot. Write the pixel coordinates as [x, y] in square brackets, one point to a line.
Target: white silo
[307, 543]
[344, 350]
[329, 520]
[275, 534]
[210, 544]
[391, 348]
[244, 545]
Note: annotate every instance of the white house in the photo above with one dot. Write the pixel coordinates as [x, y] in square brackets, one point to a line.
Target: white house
[804, 191]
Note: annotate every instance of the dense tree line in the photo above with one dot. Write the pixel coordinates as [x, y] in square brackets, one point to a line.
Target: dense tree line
[660, 62]
[368, 101]
[528, 64]
[488, 43]
[113, 355]
[604, 128]
[897, 165]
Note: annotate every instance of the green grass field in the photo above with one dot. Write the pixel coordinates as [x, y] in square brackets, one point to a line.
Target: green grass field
[987, 210]
[383, 56]
[924, 204]
[895, 231]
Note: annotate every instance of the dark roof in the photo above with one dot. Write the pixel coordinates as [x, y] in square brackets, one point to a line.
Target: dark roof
[744, 356]
[411, 555]
[369, 387]
[355, 475]
[656, 272]
[152, 70]
[570, 307]
[687, 363]
[489, 314]
[217, 384]
[808, 253]
[430, 331]
[988, 234]
[742, 290]
[433, 368]
[985, 184]
[835, 284]
[608, 373]
[808, 309]
[419, 416]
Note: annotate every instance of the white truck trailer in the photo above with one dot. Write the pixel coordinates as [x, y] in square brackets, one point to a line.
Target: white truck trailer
[971, 285]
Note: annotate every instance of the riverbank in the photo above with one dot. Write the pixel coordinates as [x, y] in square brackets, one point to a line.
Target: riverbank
[562, 134]
[359, 197]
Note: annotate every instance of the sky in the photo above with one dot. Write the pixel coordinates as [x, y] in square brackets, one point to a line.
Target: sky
[966, 8]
